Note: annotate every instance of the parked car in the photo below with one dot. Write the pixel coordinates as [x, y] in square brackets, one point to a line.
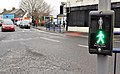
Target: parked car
[7, 25]
[25, 24]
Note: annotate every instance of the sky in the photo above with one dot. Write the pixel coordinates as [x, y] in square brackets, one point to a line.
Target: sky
[8, 4]
[55, 5]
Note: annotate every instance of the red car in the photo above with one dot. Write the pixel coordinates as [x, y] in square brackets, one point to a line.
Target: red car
[7, 25]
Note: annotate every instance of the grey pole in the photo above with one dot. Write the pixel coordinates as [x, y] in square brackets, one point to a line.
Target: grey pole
[102, 64]
[102, 61]
[104, 5]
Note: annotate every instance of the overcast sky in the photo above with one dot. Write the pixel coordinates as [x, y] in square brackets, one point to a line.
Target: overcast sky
[8, 4]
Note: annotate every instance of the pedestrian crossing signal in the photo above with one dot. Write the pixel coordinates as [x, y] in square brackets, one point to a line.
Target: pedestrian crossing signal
[100, 39]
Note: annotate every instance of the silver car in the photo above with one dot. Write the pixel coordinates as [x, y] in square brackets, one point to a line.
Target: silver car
[25, 24]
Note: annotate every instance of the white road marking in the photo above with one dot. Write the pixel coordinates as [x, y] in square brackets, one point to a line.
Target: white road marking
[58, 37]
[85, 46]
[53, 40]
[51, 33]
[12, 40]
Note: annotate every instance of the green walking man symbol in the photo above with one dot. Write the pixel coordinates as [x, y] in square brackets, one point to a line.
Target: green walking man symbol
[100, 37]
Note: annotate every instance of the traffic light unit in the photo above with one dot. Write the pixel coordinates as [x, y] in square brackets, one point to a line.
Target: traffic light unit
[61, 9]
[101, 32]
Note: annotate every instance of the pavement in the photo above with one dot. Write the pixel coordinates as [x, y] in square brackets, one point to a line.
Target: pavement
[71, 32]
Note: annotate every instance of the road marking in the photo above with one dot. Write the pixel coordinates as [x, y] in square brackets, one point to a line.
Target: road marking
[12, 40]
[51, 33]
[85, 46]
[59, 37]
[53, 40]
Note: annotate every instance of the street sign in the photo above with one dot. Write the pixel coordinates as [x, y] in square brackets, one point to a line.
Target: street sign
[101, 32]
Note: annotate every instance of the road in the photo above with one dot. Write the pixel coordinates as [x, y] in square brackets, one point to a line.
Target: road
[32, 51]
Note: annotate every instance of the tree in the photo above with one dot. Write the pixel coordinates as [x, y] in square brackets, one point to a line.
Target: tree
[36, 8]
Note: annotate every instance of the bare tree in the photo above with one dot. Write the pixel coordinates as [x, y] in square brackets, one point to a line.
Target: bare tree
[36, 8]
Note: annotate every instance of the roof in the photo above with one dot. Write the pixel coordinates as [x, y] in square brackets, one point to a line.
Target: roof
[10, 11]
[14, 11]
[18, 13]
[6, 12]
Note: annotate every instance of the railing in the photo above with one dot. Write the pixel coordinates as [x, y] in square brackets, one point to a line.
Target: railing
[115, 50]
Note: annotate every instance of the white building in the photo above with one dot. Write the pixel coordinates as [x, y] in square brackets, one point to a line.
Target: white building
[78, 12]
[85, 2]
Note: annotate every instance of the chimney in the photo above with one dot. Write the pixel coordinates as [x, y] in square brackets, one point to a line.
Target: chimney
[13, 8]
[4, 10]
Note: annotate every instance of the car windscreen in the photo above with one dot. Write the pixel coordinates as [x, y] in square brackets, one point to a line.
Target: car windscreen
[7, 22]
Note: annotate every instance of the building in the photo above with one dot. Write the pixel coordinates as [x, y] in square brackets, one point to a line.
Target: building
[14, 14]
[78, 11]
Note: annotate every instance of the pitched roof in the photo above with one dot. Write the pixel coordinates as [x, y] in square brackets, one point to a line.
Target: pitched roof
[17, 12]
[14, 11]
[20, 15]
[6, 12]
[10, 11]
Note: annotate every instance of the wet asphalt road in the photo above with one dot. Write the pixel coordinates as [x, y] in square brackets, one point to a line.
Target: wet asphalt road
[32, 51]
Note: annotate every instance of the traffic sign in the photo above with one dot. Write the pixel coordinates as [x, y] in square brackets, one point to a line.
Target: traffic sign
[101, 32]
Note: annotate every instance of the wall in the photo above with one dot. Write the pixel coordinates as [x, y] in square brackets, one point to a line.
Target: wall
[79, 15]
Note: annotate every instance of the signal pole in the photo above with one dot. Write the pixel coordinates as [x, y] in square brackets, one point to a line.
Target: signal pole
[102, 61]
